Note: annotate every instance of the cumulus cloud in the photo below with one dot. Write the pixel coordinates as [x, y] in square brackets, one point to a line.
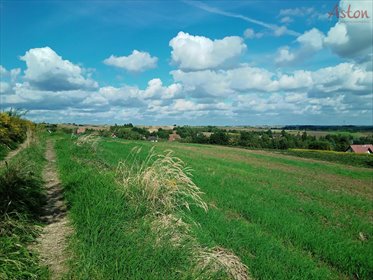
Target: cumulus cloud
[284, 56]
[352, 37]
[46, 70]
[310, 42]
[312, 39]
[198, 52]
[137, 61]
[226, 83]
[342, 78]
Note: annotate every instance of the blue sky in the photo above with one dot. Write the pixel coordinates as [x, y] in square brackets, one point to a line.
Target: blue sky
[187, 62]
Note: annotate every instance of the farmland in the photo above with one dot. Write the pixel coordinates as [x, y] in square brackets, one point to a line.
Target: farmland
[283, 217]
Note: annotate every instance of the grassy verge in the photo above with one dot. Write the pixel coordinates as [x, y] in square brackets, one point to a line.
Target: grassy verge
[21, 199]
[363, 160]
[124, 230]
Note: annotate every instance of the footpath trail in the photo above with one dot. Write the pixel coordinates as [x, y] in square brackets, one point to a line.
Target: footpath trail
[51, 244]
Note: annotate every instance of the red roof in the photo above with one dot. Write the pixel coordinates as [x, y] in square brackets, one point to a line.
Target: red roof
[362, 148]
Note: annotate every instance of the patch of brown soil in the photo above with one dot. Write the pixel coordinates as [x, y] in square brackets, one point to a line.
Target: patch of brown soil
[51, 245]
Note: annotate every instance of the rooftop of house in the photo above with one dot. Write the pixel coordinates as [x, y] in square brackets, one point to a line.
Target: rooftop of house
[368, 148]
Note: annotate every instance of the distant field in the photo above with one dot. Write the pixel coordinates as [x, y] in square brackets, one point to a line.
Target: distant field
[363, 160]
[286, 218]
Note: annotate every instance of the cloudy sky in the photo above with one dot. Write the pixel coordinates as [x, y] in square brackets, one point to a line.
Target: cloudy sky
[188, 62]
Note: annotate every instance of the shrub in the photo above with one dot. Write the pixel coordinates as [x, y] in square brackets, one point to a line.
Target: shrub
[21, 191]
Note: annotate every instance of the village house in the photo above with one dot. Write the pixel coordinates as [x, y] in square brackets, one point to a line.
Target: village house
[153, 138]
[80, 130]
[174, 137]
[360, 149]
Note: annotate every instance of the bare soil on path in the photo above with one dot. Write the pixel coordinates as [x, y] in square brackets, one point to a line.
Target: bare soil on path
[51, 245]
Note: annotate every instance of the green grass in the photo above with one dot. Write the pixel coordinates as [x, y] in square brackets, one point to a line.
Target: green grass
[285, 218]
[363, 160]
[21, 199]
[3, 152]
[111, 240]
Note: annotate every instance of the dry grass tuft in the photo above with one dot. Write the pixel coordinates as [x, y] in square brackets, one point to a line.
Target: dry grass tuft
[171, 229]
[164, 181]
[88, 141]
[217, 259]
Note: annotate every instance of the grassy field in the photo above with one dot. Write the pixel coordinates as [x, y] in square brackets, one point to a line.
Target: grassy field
[284, 217]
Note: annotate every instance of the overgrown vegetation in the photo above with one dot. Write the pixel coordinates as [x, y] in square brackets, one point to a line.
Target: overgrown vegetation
[13, 130]
[21, 200]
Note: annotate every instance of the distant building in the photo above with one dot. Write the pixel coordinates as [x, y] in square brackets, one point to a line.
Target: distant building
[80, 130]
[361, 149]
[174, 137]
[153, 138]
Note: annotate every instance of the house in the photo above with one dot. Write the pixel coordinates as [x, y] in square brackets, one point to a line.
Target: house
[153, 138]
[174, 137]
[361, 149]
[80, 130]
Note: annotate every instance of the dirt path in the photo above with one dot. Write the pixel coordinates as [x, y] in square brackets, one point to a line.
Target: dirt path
[51, 244]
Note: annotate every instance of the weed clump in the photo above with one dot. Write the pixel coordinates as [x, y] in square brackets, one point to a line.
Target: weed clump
[88, 141]
[162, 182]
[21, 191]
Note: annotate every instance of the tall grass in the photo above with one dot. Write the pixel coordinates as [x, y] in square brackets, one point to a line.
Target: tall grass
[132, 220]
[21, 200]
[162, 182]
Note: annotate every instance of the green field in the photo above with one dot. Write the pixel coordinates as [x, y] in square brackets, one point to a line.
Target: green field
[284, 217]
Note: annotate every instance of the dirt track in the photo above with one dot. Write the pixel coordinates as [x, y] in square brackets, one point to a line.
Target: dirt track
[51, 245]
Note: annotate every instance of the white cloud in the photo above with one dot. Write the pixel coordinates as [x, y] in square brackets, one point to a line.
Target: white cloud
[337, 35]
[4, 87]
[46, 70]
[198, 52]
[310, 42]
[249, 33]
[312, 39]
[286, 20]
[279, 31]
[3, 71]
[284, 56]
[352, 37]
[342, 78]
[137, 61]
[301, 11]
